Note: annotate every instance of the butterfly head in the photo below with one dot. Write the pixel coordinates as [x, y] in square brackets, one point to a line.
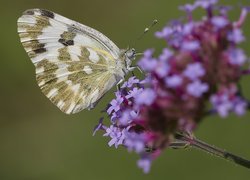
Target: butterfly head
[129, 55]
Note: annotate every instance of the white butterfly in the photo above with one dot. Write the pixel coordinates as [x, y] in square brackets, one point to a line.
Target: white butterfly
[75, 64]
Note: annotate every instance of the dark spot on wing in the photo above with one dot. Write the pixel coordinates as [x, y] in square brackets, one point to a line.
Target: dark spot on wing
[40, 45]
[29, 12]
[41, 50]
[66, 42]
[67, 38]
[33, 44]
[47, 13]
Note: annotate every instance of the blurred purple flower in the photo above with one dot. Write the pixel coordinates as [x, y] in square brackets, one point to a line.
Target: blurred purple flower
[205, 3]
[240, 107]
[173, 81]
[237, 56]
[147, 97]
[125, 118]
[188, 7]
[194, 71]
[190, 45]
[147, 63]
[162, 69]
[144, 164]
[197, 88]
[134, 92]
[165, 33]
[236, 36]
[131, 81]
[228, 101]
[135, 141]
[188, 28]
[224, 9]
[166, 54]
[219, 21]
[222, 104]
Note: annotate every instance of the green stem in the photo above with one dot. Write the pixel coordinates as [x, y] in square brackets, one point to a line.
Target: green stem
[187, 140]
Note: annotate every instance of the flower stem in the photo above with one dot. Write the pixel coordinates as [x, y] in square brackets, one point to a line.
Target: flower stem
[191, 141]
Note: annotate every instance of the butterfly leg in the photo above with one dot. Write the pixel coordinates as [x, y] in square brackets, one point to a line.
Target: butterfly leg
[139, 69]
[132, 68]
[118, 85]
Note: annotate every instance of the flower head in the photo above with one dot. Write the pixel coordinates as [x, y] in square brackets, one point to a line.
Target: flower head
[194, 71]
[197, 88]
[197, 73]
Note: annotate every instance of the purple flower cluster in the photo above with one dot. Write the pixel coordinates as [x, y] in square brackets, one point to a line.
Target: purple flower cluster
[196, 74]
[227, 100]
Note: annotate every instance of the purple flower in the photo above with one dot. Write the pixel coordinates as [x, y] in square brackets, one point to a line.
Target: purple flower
[147, 63]
[240, 107]
[222, 104]
[201, 63]
[166, 54]
[190, 45]
[197, 88]
[188, 7]
[114, 116]
[224, 9]
[115, 104]
[135, 141]
[165, 33]
[162, 69]
[237, 57]
[219, 21]
[133, 114]
[99, 126]
[236, 36]
[145, 164]
[131, 81]
[205, 3]
[228, 101]
[125, 118]
[146, 97]
[117, 135]
[224, 108]
[173, 81]
[194, 71]
[134, 92]
[188, 28]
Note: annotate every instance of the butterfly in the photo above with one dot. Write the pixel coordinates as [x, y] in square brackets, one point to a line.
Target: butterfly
[75, 64]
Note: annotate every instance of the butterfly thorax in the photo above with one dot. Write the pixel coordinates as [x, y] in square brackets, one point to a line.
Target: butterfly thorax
[123, 64]
[127, 57]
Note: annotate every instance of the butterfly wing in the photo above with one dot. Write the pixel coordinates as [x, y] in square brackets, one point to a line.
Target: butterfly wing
[74, 63]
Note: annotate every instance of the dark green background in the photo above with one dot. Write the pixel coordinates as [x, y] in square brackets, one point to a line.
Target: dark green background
[38, 142]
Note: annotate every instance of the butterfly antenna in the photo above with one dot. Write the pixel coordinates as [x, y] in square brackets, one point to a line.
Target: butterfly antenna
[147, 29]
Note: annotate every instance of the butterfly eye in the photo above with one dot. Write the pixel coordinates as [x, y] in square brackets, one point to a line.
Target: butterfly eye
[131, 53]
[133, 50]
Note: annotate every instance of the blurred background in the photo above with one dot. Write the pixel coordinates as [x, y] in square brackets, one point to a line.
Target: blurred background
[39, 142]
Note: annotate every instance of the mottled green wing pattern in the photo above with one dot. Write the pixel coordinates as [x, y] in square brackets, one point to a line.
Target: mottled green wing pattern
[74, 85]
[73, 69]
